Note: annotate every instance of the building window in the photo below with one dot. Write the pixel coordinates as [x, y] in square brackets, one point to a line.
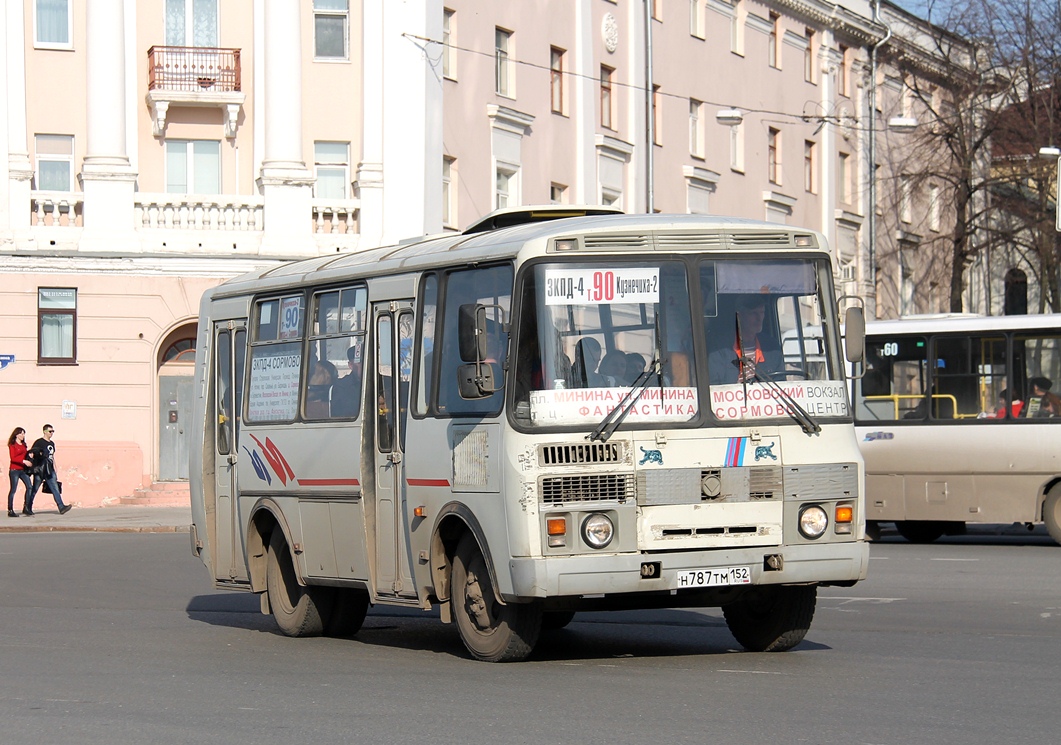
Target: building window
[55, 162]
[808, 56]
[506, 192]
[841, 74]
[191, 23]
[843, 177]
[556, 79]
[776, 31]
[53, 24]
[449, 60]
[736, 147]
[696, 18]
[504, 84]
[611, 198]
[696, 128]
[657, 116]
[331, 29]
[449, 193]
[557, 194]
[906, 209]
[607, 101]
[933, 208]
[810, 167]
[331, 161]
[736, 29]
[773, 155]
[56, 325]
[193, 166]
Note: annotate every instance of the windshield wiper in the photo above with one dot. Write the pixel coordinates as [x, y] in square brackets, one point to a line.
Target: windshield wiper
[615, 417]
[794, 410]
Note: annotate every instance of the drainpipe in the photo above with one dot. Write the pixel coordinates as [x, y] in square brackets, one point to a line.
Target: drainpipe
[872, 222]
[650, 115]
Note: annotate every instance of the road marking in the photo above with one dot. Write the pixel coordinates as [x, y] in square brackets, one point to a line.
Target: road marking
[752, 672]
[947, 559]
[876, 601]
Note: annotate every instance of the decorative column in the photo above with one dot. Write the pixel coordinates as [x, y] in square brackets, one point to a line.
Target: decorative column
[285, 182]
[107, 178]
[19, 170]
[399, 177]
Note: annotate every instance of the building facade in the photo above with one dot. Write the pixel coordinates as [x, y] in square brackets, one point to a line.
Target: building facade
[155, 149]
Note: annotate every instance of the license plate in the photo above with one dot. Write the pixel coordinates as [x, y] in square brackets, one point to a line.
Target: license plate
[713, 577]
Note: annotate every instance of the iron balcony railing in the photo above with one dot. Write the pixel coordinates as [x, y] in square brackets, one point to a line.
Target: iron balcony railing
[194, 69]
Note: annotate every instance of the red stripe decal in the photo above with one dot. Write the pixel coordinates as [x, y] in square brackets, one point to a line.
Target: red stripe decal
[428, 482]
[328, 482]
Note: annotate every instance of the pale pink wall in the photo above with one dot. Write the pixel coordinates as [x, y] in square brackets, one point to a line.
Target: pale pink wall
[55, 88]
[331, 92]
[235, 31]
[110, 449]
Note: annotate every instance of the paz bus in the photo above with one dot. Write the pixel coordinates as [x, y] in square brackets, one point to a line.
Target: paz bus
[517, 423]
[957, 419]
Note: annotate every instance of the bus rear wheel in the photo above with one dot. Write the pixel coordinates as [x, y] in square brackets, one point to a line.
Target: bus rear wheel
[1052, 514]
[298, 610]
[920, 531]
[492, 632]
[772, 618]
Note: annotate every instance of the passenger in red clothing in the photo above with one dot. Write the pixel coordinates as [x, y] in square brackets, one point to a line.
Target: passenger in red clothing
[16, 444]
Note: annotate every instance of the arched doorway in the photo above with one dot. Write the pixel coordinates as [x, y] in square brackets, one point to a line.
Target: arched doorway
[1016, 300]
[176, 370]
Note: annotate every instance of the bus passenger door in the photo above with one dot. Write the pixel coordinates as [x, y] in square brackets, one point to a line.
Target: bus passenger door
[393, 373]
[230, 343]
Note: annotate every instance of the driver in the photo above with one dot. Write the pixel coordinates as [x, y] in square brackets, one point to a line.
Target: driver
[749, 349]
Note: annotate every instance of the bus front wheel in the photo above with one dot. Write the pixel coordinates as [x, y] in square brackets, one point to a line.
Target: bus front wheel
[298, 610]
[1052, 514]
[772, 618]
[492, 632]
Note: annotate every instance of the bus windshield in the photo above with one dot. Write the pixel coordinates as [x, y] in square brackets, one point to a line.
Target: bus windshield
[589, 330]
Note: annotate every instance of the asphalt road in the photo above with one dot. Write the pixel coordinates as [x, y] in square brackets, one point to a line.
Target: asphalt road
[119, 638]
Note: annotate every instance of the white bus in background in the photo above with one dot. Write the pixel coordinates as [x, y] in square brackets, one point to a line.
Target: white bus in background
[951, 428]
[516, 424]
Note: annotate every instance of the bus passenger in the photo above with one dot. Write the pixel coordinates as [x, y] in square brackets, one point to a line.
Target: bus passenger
[322, 376]
[346, 393]
[613, 369]
[1045, 404]
[587, 359]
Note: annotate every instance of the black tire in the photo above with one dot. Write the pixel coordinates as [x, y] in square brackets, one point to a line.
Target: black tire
[492, 632]
[772, 618]
[1052, 514]
[298, 610]
[872, 530]
[556, 619]
[920, 531]
[348, 612]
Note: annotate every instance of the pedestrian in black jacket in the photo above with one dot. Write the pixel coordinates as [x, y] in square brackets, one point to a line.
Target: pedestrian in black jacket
[44, 470]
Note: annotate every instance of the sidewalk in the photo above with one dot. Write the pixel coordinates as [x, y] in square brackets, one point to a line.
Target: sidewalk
[118, 519]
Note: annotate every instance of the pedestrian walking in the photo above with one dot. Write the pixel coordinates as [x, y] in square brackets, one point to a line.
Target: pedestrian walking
[20, 461]
[44, 470]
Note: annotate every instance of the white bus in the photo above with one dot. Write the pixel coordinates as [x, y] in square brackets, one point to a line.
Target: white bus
[957, 422]
[513, 425]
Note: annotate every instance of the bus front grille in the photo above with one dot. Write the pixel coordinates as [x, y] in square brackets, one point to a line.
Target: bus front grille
[588, 488]
[580, 454]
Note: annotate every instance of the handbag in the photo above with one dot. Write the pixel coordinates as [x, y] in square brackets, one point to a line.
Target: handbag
[48, 488]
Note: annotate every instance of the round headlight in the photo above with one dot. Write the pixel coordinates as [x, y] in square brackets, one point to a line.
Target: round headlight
[813, 521]
[597, 530]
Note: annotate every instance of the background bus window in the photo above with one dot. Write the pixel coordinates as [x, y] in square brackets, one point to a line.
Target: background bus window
[276, 360]
[336, 348]
[895, 381]
[426, 375]
[970, 373]
[1037, 360]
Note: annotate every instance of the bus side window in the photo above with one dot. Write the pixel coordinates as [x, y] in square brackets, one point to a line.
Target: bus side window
[425, 378]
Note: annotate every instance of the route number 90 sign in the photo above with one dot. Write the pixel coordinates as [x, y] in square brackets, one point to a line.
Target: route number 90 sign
[601, 285]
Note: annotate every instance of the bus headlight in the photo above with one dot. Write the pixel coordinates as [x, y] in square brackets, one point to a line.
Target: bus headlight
[813, 521]
[597, 530]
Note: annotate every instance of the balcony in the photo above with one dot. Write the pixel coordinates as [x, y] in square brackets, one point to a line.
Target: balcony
[194, 76]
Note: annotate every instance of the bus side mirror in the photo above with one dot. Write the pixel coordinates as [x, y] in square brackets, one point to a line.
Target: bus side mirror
[854, 334]
[476, 380]
[471, 332]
